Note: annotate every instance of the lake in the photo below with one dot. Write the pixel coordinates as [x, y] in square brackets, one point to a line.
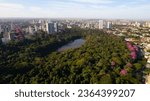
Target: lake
[72, 45]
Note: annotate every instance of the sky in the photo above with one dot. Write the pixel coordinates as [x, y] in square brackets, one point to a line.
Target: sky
[108, 9]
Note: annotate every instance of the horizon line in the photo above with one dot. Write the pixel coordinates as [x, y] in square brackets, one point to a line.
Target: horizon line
[72, 18]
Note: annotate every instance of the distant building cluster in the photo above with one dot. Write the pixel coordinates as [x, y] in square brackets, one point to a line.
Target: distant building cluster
[19, 29]
[47, 26]
[11, 32]
[90, 24]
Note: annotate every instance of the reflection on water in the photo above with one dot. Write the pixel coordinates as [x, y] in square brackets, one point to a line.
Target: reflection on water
[75, 44]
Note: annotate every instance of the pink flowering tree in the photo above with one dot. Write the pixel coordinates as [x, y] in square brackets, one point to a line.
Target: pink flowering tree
[123, 72]
[133, 55]
[133, 49]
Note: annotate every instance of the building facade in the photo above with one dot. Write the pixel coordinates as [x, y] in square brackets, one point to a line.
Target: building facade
[50, 28]
[109, 25]
[101, 24]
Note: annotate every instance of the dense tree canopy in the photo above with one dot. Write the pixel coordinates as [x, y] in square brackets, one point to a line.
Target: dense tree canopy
[103, 59]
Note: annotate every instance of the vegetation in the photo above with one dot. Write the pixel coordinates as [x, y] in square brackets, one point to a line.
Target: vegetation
[103, 59]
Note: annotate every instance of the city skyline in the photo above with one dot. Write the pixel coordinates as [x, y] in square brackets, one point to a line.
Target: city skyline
[111, 9]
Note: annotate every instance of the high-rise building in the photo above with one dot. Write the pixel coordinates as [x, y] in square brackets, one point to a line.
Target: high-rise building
[7, 37]
[11, 36]
[56, 27]
[147, 24]
[12, 26]
[5, 40]
[30, 30]
[137, 24]
[0, 29]
[44, 26]
[33, 22]
[101, 24]
[109, 25]
[40, 21]
[35, 28]
[50, 28]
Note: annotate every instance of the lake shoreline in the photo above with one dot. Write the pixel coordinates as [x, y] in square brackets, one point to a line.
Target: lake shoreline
[72, 45]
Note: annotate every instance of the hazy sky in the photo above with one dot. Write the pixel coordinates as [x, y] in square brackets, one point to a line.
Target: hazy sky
[132, 9]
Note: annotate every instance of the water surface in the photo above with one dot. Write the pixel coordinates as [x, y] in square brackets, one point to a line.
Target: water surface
[72, 45]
